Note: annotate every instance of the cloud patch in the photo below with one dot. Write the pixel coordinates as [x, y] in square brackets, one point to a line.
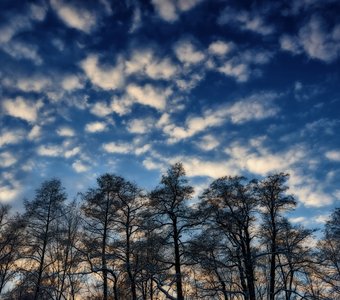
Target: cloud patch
[315, 40]
[22, 108]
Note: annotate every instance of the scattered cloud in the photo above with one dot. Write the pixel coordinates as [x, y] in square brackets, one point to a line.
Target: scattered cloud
[144, 62]
[220, 48]
[101, 109]
[255, 107]
[71, 82]
[114, 147]
[170, 10]
[34, 133]
[74, 17]
[208, 142]
[7, 159]
[80, 166]
[33, 84]
[49, 150]
[140, 126]
[11, 136]
[314, 39]
[9, 191]
[20, 50]
[333, 155]
[105, 77]
[22, 108]
[187, 53]
[149, 95]
[96, 127]
[66, 132]
[72, 152]
[245, 20]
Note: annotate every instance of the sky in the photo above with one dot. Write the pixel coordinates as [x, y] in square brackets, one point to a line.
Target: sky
[245, 88]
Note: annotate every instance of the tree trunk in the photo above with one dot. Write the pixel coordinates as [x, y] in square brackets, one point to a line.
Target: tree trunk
[179, 287]
[42, 259]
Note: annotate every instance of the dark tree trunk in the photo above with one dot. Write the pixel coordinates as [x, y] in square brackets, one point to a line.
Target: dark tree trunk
[179, 287]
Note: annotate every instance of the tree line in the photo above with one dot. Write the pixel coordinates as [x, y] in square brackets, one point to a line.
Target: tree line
[121, 242]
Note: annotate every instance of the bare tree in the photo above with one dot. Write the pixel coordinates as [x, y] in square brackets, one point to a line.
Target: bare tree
[232, 206]
[329, 254]
[272, 196]
[42, 216]
[171, 214]
[10, 238]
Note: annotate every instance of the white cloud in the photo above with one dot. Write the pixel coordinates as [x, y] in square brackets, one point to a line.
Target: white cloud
[96, 127]
[7, 159]
[290, 43]
[22, 108]
[140, 125]
[187, 53]
[239, 71]
[245, 20]
[74, 17]
[255, 107]
[315, 39]
[50, 150]
[333, 155]
[149, 95]
[38, 12]
[166, 9]
[311, 196]
[298, 220]
[185, 5]
[20, 50]
[9, 192]
[80, 166]
[213, 169]
[71, 82]
[34, 133]
[65, 132]
[322, 219]
[32, 84]
[117, 147]
[105, 77]
[142, 149]
[145, 62]
[121, 106]
[9, 137]
[72, 152]
[208, 142]
[169, 10]
[220, 48]
[101, 109]
[259, 160]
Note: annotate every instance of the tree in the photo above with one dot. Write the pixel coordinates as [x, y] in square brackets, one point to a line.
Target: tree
[42, 216]
[10, 238]
[294, 258]
[99, 211]
[271, 193]
[329, 254]
[171, 214]
[231, 205]
[113, 222]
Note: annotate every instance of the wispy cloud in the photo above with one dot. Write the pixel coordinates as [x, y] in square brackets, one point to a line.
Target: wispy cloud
[255, 107]
[245, 20]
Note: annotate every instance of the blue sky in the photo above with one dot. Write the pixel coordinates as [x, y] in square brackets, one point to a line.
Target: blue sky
[129, 87]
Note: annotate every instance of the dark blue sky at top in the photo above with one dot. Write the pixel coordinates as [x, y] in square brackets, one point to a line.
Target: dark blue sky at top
[129, 87]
